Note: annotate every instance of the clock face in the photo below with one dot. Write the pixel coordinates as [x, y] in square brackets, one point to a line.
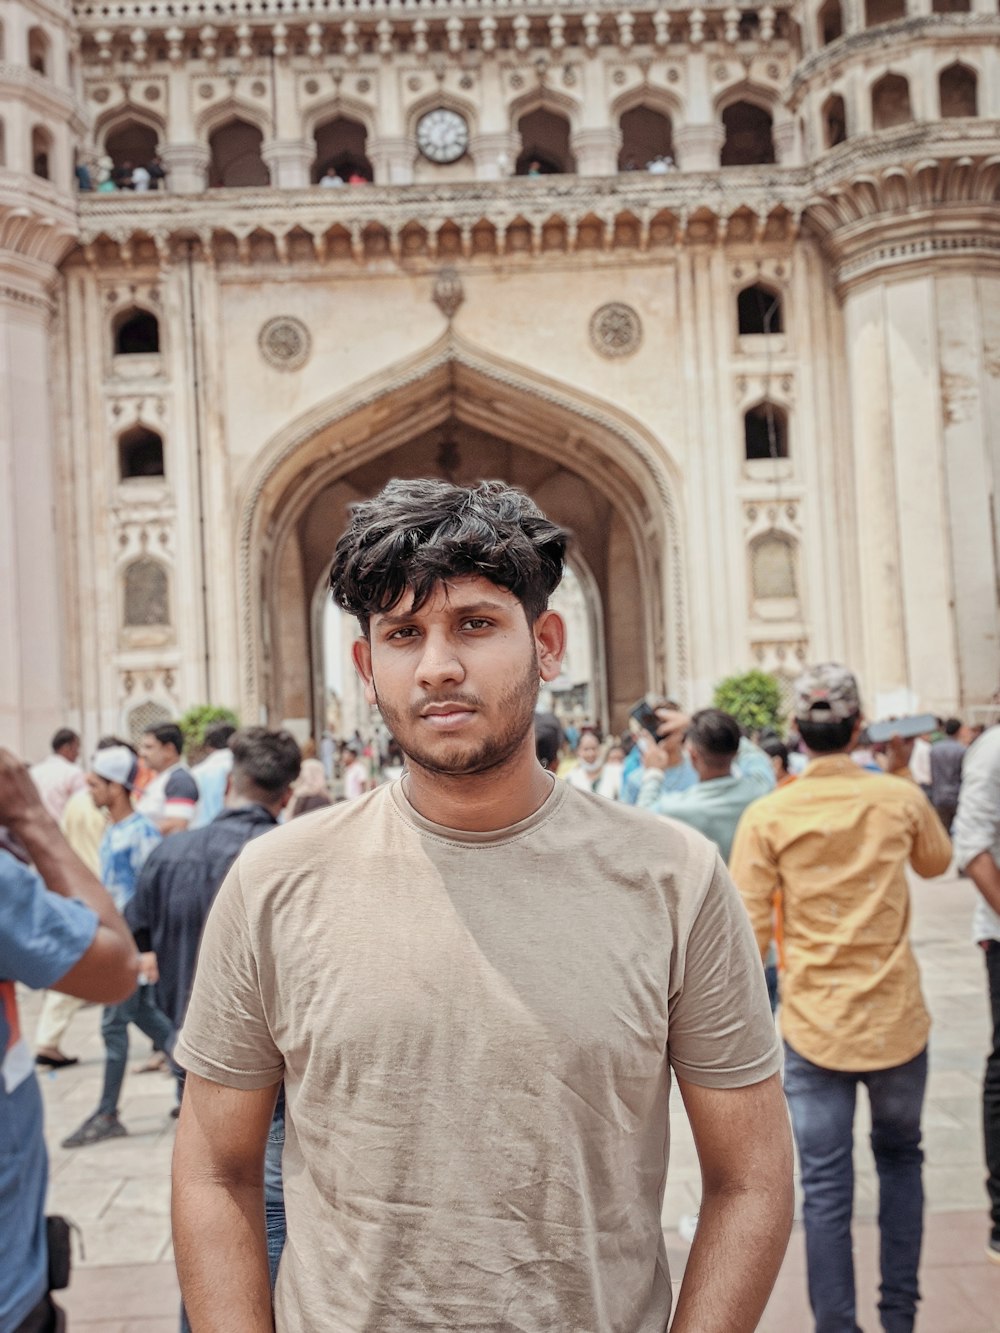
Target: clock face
[442, 135]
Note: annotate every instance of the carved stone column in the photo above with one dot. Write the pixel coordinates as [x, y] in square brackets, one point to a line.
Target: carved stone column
[596, 151]
[915, 250]
[391, 157]
[698, 147]
[187, 167]
[495, 155]
[288, 161]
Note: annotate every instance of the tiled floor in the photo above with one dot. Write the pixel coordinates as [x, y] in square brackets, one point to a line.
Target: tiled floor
[118, 1192]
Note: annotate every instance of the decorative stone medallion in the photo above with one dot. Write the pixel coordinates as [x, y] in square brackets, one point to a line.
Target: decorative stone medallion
[615, 330]
[448, 292]
[285, 342]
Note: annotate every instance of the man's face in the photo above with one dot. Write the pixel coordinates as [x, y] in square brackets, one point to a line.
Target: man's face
[588, 750]
[156, 755]
[99, 790]
[71, 750]
[456, 681]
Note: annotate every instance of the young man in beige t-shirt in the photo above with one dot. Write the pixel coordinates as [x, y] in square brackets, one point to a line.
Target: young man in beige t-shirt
[476, 984]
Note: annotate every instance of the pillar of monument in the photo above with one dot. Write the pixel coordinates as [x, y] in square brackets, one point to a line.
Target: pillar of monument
[33, 646]
[926, 443]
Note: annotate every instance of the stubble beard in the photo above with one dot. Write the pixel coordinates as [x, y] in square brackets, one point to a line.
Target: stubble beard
[515, 709]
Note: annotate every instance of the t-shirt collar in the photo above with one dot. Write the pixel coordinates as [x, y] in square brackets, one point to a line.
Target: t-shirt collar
[468, 837]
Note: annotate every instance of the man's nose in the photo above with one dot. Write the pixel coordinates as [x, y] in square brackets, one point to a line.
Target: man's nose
[439, 661]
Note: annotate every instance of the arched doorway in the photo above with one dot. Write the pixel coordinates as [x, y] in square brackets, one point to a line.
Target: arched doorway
[455, 414]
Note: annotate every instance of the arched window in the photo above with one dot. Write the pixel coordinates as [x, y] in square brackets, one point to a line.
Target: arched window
[131, 144]
[758, 309]
[883, 11]
[749, 135]
[140, 454]
[38, 50]
[772, 568]
[341, 143]
[41, 152]
[958, 90]
[647, 138]
[3, 44]
[544, 144]
[236, 156]
[834, 121]
[765, 432]
[136, 333]
[951, 6]
[147, 594]
[891, 102]
[830, 22]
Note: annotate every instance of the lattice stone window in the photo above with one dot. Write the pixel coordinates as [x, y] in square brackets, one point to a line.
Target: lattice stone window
[772, 568]
[147, 594]
[143, 716]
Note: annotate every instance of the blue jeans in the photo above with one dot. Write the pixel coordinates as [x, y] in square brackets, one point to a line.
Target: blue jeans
[140, 1009]
[821, 1102]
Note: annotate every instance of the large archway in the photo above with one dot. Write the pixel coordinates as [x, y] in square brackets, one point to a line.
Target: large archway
[456, 413]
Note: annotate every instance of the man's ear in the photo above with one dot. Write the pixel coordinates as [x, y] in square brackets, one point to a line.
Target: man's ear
[550, 644]
[361, 654]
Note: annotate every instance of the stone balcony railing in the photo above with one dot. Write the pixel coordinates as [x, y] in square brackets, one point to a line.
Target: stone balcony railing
[566, 212]
[889, 198]
[92, 15]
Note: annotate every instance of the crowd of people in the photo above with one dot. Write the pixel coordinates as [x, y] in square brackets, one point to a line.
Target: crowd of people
[104, 176]
[462, 977]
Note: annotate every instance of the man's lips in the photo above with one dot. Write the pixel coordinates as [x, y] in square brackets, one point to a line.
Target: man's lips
[444, 716]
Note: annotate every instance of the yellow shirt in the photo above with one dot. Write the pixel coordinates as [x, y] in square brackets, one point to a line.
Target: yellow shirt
[834, 845]
[83, 827]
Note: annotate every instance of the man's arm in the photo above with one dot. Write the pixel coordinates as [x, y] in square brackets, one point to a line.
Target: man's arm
[755, 873]
[220, 1243]
[108, 971]
[745, 1149]
[976, 830]
[931, 853]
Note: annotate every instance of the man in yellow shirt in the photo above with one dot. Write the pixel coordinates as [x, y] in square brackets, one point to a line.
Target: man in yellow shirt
[835, 846]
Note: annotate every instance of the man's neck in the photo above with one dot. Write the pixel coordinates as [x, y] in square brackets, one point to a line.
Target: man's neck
[481, 802]
[119, 811]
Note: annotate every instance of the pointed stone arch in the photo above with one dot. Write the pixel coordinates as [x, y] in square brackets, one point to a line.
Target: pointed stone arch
[219, 114]
[349, 439]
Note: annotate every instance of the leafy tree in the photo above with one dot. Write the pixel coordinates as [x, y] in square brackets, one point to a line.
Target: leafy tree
[753, 698]
[194, 722]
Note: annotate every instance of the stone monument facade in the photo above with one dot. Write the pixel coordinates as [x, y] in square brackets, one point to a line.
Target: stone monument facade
[719, 286]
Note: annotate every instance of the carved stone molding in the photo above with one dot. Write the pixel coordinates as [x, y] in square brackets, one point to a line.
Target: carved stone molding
[934, 208]
[615, 330]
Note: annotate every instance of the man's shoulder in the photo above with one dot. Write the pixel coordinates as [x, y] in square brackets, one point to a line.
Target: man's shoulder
[179, 779]
[639, 832]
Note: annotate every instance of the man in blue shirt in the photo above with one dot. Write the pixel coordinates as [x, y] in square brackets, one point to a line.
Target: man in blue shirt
[731, 771]
[127, 842]
[59, 930]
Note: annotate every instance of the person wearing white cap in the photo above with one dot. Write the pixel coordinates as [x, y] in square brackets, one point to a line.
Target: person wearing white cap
[127, 842]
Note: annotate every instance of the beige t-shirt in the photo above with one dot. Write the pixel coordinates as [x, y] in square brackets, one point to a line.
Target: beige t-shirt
[476, 1033]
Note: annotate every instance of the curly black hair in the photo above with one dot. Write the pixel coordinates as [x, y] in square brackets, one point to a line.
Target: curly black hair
[416, 534]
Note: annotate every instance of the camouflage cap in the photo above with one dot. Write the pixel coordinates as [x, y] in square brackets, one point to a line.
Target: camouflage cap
[826, 693]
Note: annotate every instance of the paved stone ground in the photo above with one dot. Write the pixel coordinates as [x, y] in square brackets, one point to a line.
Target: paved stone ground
[118, 1192]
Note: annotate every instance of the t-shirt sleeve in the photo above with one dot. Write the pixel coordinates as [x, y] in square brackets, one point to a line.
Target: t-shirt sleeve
[720, 1030]
[42, 935]
[226, 1037]
[180, 795]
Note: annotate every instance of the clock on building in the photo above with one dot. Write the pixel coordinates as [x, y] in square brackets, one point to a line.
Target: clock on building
[442, 135]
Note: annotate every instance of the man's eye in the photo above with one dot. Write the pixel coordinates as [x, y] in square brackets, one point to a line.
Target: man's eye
[406, 633]
[476, 622]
